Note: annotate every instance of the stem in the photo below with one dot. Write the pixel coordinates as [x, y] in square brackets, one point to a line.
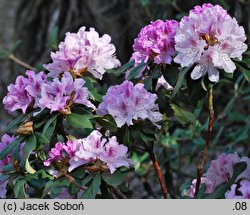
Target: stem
[72, 180]
[117, 192]
[159, 173]
[20, 62]
[202, 163]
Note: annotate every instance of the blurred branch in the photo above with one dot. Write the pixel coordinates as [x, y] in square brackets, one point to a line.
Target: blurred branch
[21, 63]
[201, 165]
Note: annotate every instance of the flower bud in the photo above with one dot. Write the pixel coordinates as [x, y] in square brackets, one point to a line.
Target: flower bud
[26, 128]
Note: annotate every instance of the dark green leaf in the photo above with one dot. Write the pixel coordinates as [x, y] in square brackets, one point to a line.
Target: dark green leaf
[197, 94]
[93, 188]
[80, 121]
[50, 126]
[122, 69]
[114, 179]
[19, 189]
[53, 40]
[201, 193]
[41, 139]
[14, 123]
[10, 147]
[126, 140]
[4, 54]
[73, 189]
[171, 74]
[245, 70]
[15, 46]
[87, 179]
[29, 146]
[184, 117]
[107, 122]
[180, 80]
[53, 184]
[136, 70]
[238, 169]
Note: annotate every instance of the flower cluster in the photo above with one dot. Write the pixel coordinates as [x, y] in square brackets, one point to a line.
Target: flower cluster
[156, 41]
[209, 38]
[60, 153]
[4, 179]
[83, 51]
[239, 191]
[89, 150]
[56, 95]
[59, 95]
[25, 92]
[220, 171]
[127, 102]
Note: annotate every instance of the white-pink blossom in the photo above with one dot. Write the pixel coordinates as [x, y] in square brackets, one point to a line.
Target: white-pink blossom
[209, 39]
[84, 51]
[127, 102]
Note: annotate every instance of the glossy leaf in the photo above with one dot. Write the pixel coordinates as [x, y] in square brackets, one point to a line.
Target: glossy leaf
[79, 121]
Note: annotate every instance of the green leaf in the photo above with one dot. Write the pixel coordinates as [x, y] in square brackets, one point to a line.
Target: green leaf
[122, 69]
[16, 45]
[238, 169]
[78, 173]
[73, 189]
[49, 127]
[148, 83]
[114, 179]
[180, 80]
[4, 54]
[41, 139]
[201, 193]
[19, 189]
[80, 121]
[245, 70]
[184, 117]
[107, 122]
[136, 70]
[53, 40]
[197, 94]
[14, 123]
[219, 193]
[87, 179]
[126, 140]
[171, 74]
[10, 147]
[92, 190]
[55, 184]
[29, 146]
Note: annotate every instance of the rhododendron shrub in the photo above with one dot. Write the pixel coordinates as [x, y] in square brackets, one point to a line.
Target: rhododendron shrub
[81, 133]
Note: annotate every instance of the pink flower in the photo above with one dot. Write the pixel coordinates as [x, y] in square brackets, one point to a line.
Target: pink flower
[4, 179]
[239, 192]
[209, 38]
[126, 102]
[3, 187]
[5, 141]
[162, 82]
[115, 155]
[209, 187]
[84, 50]
[87, 150]
[221, 169]
[60, 152]
[56, 94]
[156, 41]
[95, 147]
[24, 91]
